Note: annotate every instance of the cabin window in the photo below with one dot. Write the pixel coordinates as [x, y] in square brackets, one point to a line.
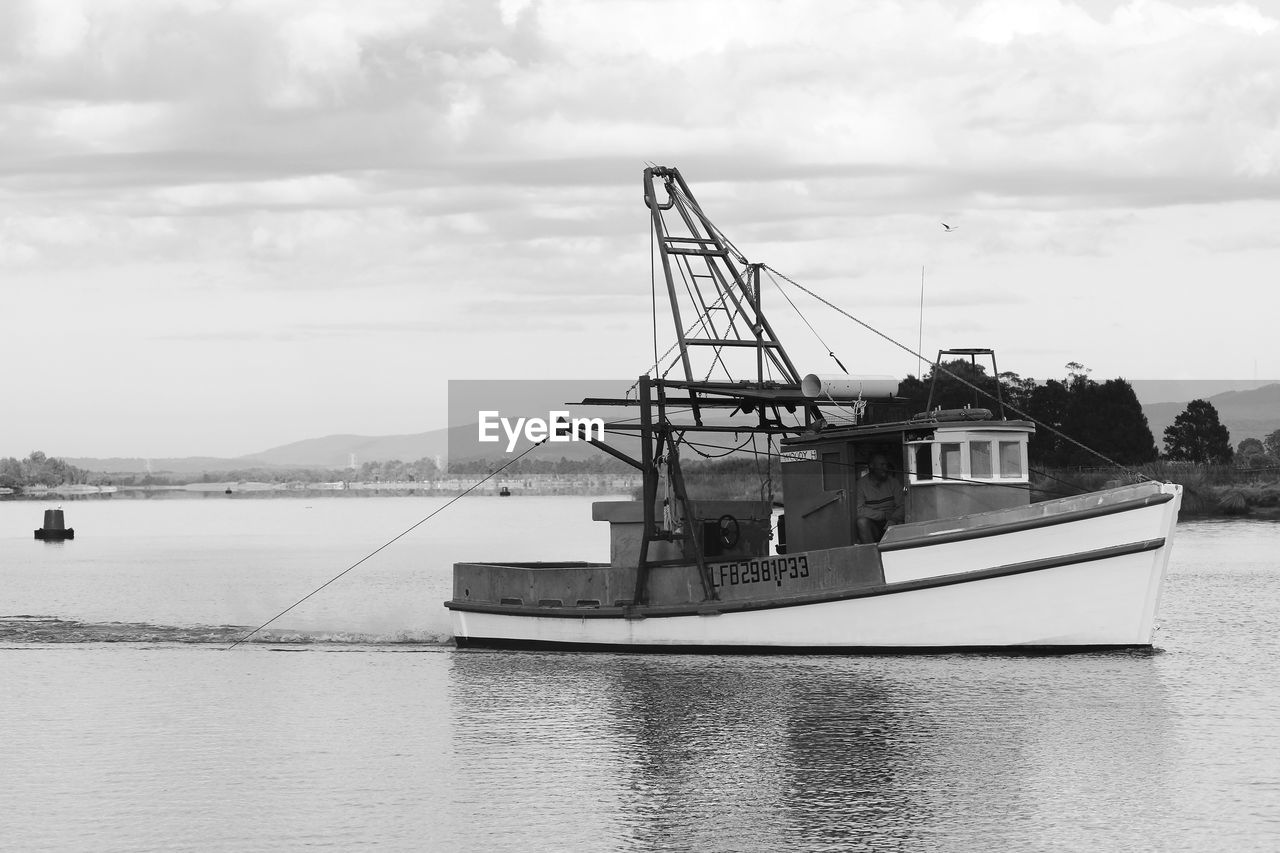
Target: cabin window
[973, 458]
[924, 462]
[1011, 459]
[950, 459]
[832, 472]
[980, 460]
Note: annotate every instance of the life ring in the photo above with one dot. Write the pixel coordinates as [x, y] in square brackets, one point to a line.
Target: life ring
[954, 415]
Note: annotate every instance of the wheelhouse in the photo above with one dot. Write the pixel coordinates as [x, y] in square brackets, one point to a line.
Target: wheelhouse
[947, 465]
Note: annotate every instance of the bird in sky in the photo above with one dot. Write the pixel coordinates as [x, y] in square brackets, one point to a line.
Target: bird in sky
[946, 227]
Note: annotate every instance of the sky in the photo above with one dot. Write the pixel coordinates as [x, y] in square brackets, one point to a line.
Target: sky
[227, 226]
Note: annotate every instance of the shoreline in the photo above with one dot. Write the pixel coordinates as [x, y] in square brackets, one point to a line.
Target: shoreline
[1198, 505]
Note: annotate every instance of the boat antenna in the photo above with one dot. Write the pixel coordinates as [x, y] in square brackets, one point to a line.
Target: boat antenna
[920, 338]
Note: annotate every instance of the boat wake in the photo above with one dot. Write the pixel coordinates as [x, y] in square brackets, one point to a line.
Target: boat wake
[36, 630]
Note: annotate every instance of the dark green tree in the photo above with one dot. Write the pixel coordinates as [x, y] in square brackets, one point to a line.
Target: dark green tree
[1017, 391]
[38, 469]
[1272, 444]
[952, 388]
[1197, 435]
[11, 473]
[1250, 453]
[1107, 418]
[1048, 405]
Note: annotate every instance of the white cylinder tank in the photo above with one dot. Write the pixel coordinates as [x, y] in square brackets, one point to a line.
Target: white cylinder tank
[848, 387]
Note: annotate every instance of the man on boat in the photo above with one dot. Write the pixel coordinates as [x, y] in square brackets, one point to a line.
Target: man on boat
[879, 501]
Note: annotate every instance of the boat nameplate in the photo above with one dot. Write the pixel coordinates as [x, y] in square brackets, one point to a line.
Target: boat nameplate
[767, 570]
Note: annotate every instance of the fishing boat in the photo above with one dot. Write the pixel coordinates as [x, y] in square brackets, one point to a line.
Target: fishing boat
[900, 531]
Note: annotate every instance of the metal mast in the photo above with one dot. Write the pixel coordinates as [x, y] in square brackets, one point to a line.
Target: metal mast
[728, 352]
[715, 297]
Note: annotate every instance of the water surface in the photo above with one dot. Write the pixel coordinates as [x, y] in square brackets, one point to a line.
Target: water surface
[353, 723]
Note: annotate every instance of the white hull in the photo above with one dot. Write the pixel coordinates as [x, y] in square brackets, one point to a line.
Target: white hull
[1091, 582]
[1102, 603]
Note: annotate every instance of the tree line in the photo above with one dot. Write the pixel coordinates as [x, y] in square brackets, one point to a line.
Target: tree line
[39, 470]
[1083, 422]
[599, 465]
[1259, 453]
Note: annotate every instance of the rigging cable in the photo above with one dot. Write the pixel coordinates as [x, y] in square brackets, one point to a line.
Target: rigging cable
[800, 314]
[717, 350]
[401, 535]
[693, 445]
[707, 223]
[658, 362]
[704, 316]
[962, 380]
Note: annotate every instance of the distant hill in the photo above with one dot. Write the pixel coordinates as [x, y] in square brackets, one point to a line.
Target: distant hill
[1245, 414]
[334, 451]
[1186, 390]
[139, 465]
[337, 451]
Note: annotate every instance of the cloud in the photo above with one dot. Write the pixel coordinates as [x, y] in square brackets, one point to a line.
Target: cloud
[463, 89]
[316, 168]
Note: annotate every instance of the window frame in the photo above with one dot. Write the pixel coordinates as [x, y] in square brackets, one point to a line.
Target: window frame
[995, 438]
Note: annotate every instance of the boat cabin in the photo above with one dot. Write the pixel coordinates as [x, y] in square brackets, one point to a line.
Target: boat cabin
[947, 464]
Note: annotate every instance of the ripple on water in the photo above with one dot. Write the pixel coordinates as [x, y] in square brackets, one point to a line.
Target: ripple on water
[47, 629]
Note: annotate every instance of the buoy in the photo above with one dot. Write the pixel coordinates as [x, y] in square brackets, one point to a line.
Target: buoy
[54, 529]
